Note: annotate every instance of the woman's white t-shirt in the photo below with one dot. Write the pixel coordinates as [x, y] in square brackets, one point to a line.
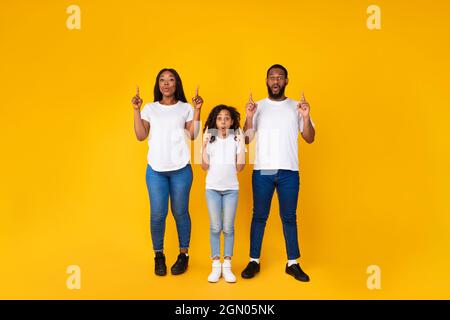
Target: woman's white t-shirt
[222, 173]
[168, 148]
[277, 125]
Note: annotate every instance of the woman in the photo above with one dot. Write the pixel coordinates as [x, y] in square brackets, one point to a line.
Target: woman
[169, 174]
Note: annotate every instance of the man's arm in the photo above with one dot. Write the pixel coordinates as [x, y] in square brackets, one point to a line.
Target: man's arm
[250, 109]
[248, 129]
[308, 133]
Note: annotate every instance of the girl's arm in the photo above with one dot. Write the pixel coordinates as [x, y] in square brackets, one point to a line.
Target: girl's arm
[205, 157]
[240, 157]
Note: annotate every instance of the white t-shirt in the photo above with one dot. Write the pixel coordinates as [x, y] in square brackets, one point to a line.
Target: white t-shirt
[168, 148]
[277, 124]
[222, 173]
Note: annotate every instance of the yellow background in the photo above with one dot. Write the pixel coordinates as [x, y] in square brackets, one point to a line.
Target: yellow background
[374, 185]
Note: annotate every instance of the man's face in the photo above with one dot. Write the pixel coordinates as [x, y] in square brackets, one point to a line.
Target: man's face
[276, 83]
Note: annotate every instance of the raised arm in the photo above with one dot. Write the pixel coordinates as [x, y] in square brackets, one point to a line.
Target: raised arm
[205, 157]
[240, 157]
[141, 127]
[250, 110]
[193, 126]
[303, 108]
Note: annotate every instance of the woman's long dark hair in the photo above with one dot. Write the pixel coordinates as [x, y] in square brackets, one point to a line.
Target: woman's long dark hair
[212, 117]
[179, 92]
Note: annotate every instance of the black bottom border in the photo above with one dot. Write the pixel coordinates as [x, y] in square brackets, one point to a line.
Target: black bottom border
[225, 309]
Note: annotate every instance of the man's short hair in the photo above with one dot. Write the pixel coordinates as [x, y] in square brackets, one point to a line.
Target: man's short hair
[277, 66]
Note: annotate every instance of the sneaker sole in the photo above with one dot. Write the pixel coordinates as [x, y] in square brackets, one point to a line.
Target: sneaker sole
[178, 273]
[249, 277]
[302, 280]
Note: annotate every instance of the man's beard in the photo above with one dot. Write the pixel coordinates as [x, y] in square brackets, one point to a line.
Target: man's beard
[277, 95]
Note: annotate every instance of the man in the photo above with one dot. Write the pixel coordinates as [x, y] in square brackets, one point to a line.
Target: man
[276, 120]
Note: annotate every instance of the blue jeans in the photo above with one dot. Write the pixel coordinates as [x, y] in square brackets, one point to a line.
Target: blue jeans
[160, 185]
[222, 210]
[287, 184]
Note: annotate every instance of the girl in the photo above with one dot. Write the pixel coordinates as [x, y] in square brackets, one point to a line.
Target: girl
[223, 155]
[169, 173]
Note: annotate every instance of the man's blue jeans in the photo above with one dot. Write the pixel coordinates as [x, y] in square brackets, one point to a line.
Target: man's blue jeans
[287, 184]
[160, 185]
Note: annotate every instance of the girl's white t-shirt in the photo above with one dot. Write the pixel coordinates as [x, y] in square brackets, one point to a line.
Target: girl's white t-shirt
[277, 125]
[222, 173]
[168, 148]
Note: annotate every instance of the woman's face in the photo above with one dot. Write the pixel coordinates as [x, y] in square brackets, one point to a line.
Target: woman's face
[167, 84]
[224, 121]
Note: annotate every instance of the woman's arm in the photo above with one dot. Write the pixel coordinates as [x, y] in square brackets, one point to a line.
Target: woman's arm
[194, 125]
[141, 127]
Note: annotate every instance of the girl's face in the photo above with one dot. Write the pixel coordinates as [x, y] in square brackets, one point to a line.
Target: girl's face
[224, 121]
[167, 84]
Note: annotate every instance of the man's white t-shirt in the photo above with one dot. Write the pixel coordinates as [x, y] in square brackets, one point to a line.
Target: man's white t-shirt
[168, 148]
[277, 125]
[222, 174]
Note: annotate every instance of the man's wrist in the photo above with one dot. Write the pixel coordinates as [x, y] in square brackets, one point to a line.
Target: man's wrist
[306, 118]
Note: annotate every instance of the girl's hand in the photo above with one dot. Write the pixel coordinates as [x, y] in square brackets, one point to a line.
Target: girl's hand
[303, 107]
[206, 137]
[240, 137]
[197, 101]
[136, 101]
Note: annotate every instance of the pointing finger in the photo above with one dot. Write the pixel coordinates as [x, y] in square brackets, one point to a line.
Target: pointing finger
[196, 91]
[303, 96]
[137, 91]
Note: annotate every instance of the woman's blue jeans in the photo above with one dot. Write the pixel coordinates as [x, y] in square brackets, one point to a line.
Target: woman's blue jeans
[176, 185]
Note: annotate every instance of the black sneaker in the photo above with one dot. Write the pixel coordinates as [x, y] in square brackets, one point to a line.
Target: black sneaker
[180, 265]
[297, 272]
[160, 264]
[251, 269]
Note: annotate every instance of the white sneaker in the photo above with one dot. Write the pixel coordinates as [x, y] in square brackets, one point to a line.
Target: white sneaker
[227, 273]
[216, 272]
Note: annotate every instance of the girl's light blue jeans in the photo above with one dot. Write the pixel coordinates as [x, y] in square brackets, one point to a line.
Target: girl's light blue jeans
[222, 207]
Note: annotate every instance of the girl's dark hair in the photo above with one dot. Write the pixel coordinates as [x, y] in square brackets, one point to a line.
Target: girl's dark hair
[212, 117]
[179, 92]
